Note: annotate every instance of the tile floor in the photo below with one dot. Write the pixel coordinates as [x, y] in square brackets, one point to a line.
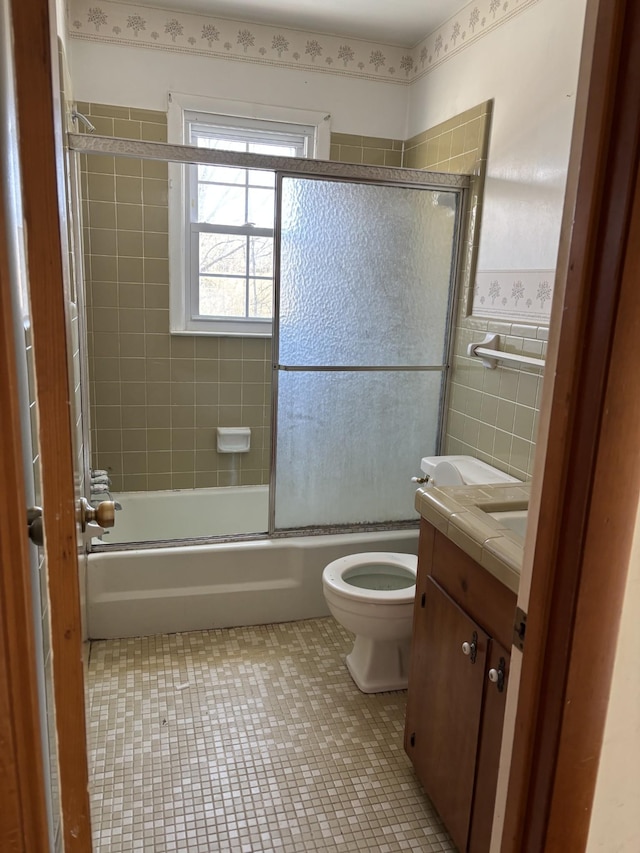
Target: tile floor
[248, 740]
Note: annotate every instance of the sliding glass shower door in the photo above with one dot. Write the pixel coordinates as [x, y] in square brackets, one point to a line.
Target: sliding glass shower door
[363, 308]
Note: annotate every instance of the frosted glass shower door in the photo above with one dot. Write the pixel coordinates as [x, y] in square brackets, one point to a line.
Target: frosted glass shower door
[362, 318]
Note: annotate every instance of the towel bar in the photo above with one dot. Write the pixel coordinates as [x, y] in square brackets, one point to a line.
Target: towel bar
[487, 350]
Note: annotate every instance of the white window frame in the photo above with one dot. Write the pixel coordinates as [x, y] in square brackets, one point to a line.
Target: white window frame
[183, 110]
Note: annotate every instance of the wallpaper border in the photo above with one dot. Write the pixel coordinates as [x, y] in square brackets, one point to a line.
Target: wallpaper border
[514, 295]
[181, 32]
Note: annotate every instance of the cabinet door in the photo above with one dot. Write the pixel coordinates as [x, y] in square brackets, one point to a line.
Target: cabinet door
[417, 662]
[444, 707]
[489, 750]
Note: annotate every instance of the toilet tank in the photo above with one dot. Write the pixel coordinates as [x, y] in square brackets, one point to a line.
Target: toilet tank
[461, 471]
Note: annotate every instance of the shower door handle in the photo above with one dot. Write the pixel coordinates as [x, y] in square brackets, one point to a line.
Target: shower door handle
[104, 514]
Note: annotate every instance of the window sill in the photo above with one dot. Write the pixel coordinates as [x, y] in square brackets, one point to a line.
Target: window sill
[226, 329]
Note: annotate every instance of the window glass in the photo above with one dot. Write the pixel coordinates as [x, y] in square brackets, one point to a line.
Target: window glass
[231, 213]
[260, 208]
[221, 204]
[222, 174]
[222, 297]
[223, 253]
[261, 256]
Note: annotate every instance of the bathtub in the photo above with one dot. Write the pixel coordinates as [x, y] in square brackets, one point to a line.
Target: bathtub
[189, 514]
[144, 591]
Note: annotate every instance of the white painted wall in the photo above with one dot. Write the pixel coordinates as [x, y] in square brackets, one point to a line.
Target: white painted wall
[529, 66]
[615, 827]
[139, 77]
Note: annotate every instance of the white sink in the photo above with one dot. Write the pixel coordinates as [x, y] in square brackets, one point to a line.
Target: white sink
[513, 519]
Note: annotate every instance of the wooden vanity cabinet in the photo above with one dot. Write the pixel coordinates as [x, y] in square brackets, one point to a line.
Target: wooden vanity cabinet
[455, 714]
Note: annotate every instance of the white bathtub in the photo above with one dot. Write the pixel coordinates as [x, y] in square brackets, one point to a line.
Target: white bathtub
[189, 514]
[162, 590]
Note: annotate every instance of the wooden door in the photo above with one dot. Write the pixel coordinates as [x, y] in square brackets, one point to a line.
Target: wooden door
[446, 700]
[488, 760]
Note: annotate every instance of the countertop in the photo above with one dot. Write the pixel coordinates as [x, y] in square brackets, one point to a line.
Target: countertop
[461, 513]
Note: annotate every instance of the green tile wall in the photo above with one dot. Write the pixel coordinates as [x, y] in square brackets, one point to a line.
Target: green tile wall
[156, 398]
[370, 150]
[491, 414]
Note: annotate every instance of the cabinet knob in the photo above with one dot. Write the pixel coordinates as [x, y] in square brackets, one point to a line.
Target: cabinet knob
[471, 649]
[496, 676]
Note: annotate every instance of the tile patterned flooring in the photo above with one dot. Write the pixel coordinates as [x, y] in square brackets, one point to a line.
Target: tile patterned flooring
[248, 740]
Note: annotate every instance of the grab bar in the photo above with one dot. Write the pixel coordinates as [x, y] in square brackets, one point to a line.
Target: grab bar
[487, 351]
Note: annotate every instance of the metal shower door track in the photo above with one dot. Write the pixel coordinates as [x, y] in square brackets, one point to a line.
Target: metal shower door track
[297, 166]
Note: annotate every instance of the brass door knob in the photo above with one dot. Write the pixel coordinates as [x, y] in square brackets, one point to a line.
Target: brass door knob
[104, 514]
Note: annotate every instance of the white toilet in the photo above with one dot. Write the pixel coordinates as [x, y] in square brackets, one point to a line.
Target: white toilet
[461, 471]
[371, 594]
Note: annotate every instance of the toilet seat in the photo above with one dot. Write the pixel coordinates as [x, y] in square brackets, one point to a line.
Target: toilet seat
[333, 577]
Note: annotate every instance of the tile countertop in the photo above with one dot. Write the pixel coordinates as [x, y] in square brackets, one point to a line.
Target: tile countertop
[461, 513]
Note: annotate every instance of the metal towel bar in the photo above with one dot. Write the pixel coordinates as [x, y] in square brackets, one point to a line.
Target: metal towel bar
[487, 350]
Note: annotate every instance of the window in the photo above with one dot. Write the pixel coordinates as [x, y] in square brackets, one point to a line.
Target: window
[222, 224]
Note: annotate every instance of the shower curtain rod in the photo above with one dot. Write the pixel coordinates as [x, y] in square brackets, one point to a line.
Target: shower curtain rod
[167, 152]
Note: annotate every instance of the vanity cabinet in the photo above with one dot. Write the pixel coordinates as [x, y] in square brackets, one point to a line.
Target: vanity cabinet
[463, 620]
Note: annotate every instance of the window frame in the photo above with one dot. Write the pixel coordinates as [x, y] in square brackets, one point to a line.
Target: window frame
[183, 112]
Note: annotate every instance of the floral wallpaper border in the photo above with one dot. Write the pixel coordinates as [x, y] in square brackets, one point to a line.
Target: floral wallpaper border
[514, 294]
[145, 26]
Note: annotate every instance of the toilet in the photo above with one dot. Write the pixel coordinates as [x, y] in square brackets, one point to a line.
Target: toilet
[461, 471]
[371, 594]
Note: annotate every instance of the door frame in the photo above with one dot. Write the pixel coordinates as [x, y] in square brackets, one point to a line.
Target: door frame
[589, 421]
[35, 58]
[23, 815]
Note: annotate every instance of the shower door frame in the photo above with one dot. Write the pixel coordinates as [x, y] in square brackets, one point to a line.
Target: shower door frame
[347, 173]
[295, 167]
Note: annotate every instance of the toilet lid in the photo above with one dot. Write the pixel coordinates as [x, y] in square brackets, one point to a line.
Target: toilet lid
[446, 474]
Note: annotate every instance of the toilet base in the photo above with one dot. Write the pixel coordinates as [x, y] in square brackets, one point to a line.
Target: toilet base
[378, 666]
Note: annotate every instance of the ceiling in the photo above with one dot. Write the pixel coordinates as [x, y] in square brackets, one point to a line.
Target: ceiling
[402, 22]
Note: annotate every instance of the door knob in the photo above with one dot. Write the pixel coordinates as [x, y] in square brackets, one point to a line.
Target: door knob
[104, 514]
[35, 526]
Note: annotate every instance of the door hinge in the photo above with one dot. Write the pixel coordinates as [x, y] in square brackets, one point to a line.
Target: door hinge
[519, 628]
